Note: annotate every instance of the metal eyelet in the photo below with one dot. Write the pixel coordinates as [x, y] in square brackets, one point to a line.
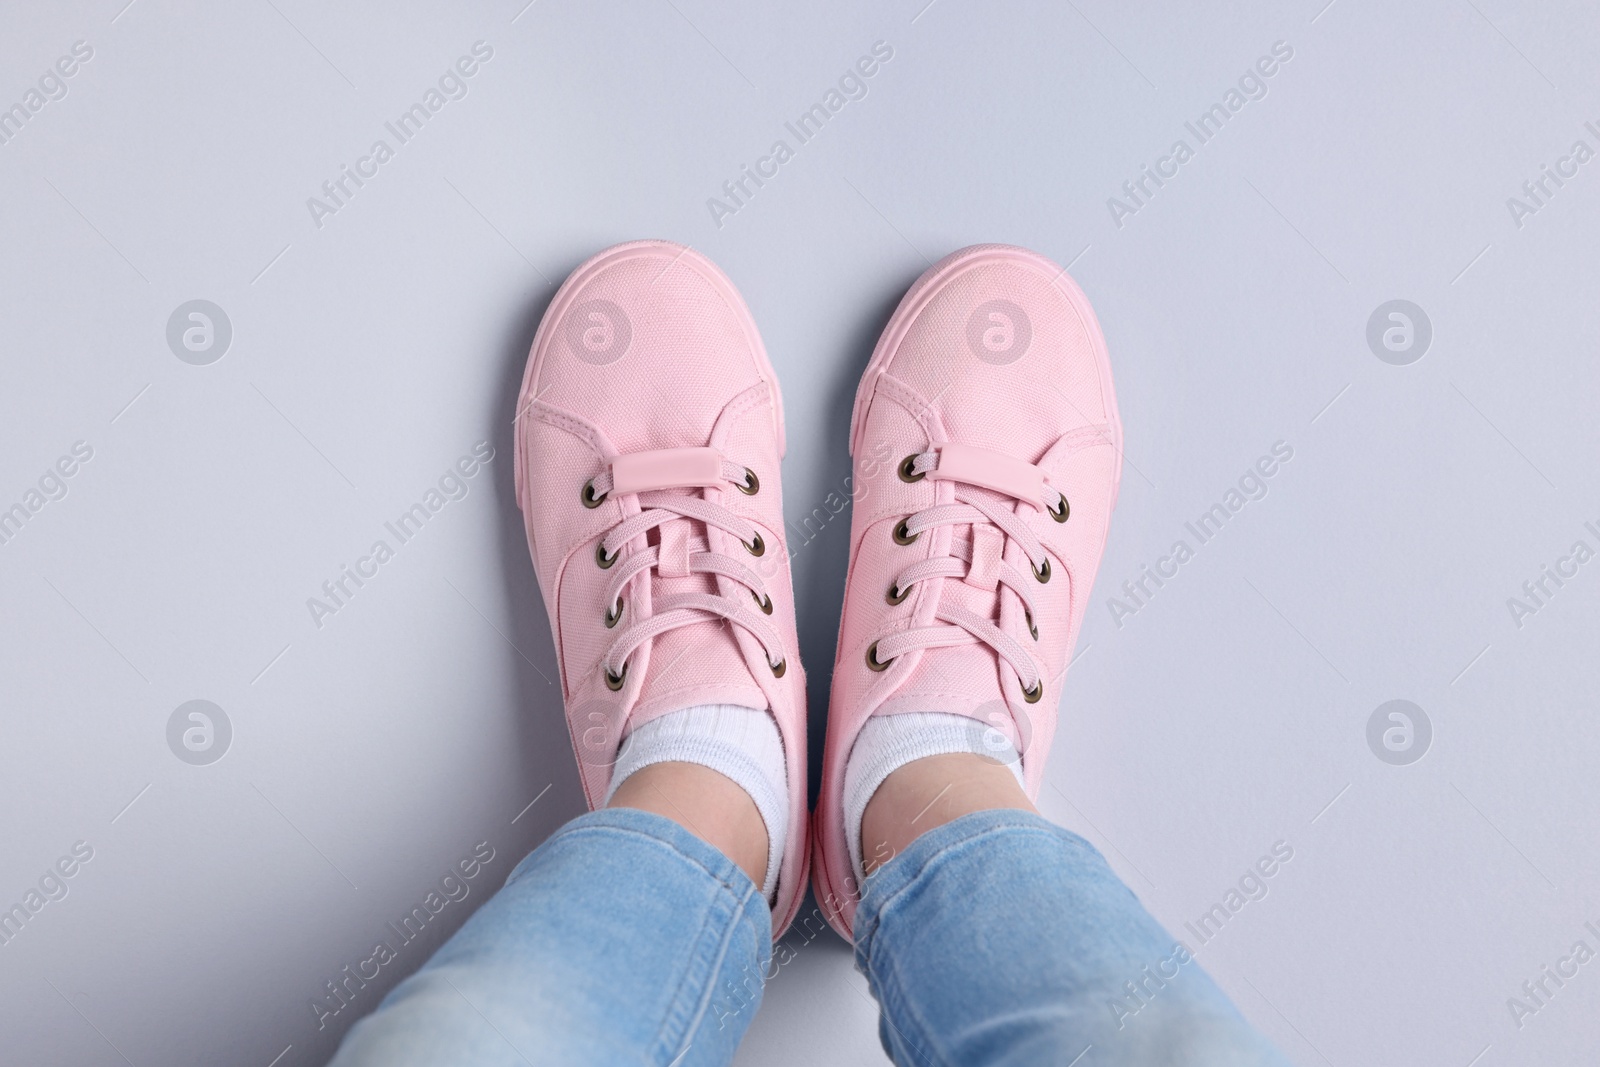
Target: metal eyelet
[588, 497]
[601, 558]
[873, 663]
[1066, 509]
[751, 485]
[757, 547]
[613, 619]
[904, 537]
[1032, 629]
[896, 595]
[1032, 695]
[614, 681]
[764, 603]
[907, 472]
[780, 668]
[1043, 573]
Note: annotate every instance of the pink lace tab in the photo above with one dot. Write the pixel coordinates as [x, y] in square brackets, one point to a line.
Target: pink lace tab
[990, 470]
[666, 468]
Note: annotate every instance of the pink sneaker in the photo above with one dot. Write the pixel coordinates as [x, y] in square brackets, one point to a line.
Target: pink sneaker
[648, 436]
[987, 457]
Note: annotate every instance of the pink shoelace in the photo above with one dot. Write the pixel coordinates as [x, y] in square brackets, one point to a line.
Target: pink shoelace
[991, 524]
[679, 555]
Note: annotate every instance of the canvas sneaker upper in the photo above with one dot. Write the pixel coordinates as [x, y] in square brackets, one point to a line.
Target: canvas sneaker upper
[649, 434]
[987, 453]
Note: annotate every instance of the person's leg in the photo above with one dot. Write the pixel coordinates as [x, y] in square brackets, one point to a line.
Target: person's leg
[710, 805]
[987, 450]
[634, 934]
[994, 936]
[649, 434]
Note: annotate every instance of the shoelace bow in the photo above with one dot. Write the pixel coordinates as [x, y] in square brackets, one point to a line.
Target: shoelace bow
[682, 609]
[957, 625]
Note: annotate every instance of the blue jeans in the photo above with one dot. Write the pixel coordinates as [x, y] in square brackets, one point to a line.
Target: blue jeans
[998, 938]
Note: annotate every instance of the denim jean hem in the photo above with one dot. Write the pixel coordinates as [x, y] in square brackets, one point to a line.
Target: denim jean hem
[884, 885]
[664, 831]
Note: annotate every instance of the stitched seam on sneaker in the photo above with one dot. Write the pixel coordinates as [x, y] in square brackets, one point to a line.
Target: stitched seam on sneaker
[746, 401]
[915, 404]
[566, 420]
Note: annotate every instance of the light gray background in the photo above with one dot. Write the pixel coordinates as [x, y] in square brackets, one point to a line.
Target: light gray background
[368, 354]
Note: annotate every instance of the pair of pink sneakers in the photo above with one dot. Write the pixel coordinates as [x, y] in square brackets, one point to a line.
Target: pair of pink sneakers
[987, 454]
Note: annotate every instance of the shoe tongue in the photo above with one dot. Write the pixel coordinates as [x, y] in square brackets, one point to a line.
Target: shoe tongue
[692, 660]
[700, 663]
[962, 679]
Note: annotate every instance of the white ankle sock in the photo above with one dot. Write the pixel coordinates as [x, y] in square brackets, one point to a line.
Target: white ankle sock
[741, 743]
[888, 742]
